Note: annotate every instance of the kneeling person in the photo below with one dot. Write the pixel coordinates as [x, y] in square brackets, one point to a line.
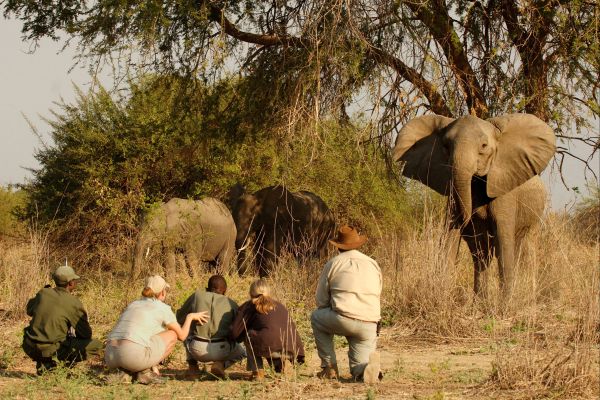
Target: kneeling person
[59, 327]
[209, 342]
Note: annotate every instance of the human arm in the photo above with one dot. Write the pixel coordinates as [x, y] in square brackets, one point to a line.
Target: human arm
[240, 322]
[322, 296]
[183, 331]
[79, 320]
[32, 304]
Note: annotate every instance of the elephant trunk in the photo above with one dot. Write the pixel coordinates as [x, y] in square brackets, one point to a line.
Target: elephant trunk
[462, 177]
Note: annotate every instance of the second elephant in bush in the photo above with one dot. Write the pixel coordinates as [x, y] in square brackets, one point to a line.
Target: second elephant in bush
[201, 230]
[300, 222]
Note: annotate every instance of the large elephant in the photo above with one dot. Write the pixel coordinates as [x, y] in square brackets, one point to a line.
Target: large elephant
[203, 230]
[490, 171]
[300, 222]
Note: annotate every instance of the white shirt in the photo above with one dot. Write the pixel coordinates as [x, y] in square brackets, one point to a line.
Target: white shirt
[143, 319]
[351, 284]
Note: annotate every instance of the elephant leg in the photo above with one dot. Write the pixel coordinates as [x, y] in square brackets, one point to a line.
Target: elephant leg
[267, 255]
[192, 261]
[481, 253]
[451, 245]
[242, 266]
[505, 246]
[223, 260]
[170, 263]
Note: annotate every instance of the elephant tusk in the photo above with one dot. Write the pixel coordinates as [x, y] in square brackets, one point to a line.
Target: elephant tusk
[147, 252]
[244, 246]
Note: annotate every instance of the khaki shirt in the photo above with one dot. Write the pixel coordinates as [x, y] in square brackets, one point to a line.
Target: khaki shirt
[54, 311]
[350, 284]
[222, 311]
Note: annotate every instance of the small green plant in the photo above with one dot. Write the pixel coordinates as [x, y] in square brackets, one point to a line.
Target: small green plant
[489, 325]
[437, 367]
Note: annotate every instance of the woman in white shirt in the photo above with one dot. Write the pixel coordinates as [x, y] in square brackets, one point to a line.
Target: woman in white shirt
[146, 333]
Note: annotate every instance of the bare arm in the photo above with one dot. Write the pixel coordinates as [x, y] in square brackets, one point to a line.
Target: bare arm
[182, 331]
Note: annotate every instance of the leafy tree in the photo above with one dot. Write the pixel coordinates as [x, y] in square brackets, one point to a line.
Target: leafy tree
[310, 59]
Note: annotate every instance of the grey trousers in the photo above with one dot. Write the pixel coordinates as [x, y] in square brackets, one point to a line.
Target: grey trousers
[228, 352]
[361, 336]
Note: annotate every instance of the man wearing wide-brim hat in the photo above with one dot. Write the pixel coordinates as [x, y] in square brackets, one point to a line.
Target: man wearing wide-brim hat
[59, 329]
[348, 301]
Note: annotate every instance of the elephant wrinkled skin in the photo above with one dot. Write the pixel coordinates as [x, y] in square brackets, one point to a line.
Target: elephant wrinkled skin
[490, 170]
[203, 230]
[300, 222]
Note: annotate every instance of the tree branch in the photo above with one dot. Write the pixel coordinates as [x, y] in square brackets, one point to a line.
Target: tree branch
[439, 24]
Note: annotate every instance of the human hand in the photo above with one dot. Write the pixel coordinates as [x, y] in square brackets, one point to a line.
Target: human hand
[201, 317]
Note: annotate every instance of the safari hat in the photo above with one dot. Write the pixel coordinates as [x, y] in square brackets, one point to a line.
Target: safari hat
[64, 274]
[348, 239]
[156, 283]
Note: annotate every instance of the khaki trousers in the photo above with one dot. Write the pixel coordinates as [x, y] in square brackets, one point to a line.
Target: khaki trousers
[361, 336]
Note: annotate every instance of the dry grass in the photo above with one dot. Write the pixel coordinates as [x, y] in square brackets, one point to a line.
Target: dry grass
[546, 345]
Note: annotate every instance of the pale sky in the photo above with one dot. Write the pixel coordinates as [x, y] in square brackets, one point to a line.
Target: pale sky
[31, 83]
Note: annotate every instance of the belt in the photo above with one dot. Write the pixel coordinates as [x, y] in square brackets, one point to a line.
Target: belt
[118, 342]
[201, 339]
[359, 320]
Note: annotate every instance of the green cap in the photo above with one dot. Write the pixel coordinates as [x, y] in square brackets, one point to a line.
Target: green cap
[64, 274]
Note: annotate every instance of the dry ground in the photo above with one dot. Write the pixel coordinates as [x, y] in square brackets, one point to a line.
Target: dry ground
[414, 369]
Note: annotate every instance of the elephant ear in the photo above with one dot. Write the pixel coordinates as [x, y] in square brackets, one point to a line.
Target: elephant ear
[419, 146]
[525, 146]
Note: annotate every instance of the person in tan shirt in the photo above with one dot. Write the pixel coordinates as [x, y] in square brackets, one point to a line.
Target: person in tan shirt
[348, 304]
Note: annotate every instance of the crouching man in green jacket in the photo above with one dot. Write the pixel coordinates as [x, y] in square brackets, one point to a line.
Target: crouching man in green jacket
[59, 327]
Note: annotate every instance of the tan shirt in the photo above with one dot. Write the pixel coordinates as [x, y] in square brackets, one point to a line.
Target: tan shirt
[350, 284]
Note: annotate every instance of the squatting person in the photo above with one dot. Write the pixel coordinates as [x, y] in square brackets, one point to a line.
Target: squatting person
[210, 342]
[146, 333]
[59, 329]
[265, 326]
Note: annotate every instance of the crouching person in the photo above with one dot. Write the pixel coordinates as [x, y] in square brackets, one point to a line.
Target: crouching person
[146, 333]
[210, 342]
[268, 332]
[59, 329]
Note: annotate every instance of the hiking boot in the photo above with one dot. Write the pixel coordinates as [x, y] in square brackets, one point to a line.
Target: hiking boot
[372, 370]
[258, 375]
[193, 370]
[44, 366]
[218, 369]
[147, 377]
[329, 372]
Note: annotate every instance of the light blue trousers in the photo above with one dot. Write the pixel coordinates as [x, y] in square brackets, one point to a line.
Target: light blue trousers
[361, 336]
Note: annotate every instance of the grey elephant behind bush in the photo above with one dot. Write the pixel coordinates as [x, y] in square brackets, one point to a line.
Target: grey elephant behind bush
[201, 230]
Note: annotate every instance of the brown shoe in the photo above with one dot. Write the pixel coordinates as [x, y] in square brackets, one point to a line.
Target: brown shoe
[329, 372]
[258, 375]
[193, 371]
[218, 369]
[373, 369]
